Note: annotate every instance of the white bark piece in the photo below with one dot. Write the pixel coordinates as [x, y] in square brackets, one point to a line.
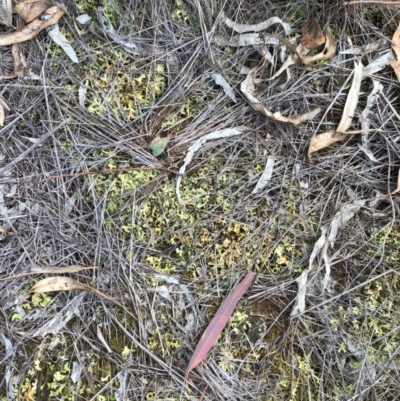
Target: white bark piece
[247, 39]
[379, 64]
[82, 95]
[240, 28]
[76, 372]
[345, 213]
[371, 100]
[221, 81]
[83, 19]
[266, 175]
[58, 37]
[59, 321]
[225, 133]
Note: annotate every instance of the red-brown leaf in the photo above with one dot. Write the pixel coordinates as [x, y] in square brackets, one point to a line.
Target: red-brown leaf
[218, 323]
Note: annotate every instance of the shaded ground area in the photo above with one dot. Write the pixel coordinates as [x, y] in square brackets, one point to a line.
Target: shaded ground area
[171, 265]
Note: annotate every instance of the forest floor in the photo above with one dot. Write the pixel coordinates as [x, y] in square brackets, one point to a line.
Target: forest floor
[80, 188]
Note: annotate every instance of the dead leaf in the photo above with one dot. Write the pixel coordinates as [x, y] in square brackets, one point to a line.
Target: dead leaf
[396, 42]
[311, 34]
[352, 99]
[326, 139]
[396, 67]
[28, 10]
[6, 12]
[57, 283]
[19, 60]
[225, 133]
[218, 323]
[322, 141]
[248, 88]
[328, 52]
[262, 26]
[53, 14]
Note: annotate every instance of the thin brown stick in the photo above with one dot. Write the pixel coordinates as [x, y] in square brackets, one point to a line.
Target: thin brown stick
[107, 170]
[372, 2]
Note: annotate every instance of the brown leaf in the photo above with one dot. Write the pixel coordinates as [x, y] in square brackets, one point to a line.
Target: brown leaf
[396, 67]
[328, 52]
[396, 42]
[322, 141]
[60, 283]
[19, 60]
[218, 323]
[326, 139]
[311, 34]
[57, 283]
[53, 14]
[30, 10]
[248, 88]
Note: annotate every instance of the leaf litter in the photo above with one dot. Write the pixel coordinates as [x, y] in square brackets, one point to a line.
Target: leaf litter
[217, 324]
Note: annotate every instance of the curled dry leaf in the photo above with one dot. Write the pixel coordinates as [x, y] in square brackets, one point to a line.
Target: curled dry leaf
[328, 52]
[53, 14]
[60, 283]
[248, 88]
[311, 34]
[262, 26]
[30, 10]
[326, 139]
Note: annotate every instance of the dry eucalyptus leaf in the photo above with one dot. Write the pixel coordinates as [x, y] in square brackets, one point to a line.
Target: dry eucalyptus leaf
[396, 67]
[53, 14]
[225, 133]
[30, 10]
[262, 26]
[352, 99]
[248, 88]
[328, 52]
[322, 141]
[6, 12]
[326, 139]
[57, 283]
[311, 34]
[396, 42]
